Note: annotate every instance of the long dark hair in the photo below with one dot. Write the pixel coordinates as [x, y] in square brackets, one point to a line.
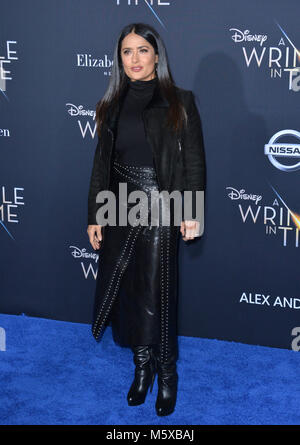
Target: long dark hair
[176, 113]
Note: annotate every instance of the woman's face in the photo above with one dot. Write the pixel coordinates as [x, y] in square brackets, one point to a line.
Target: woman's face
[136, 52]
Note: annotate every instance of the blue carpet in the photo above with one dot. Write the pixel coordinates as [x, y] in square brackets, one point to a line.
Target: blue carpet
[55, 373]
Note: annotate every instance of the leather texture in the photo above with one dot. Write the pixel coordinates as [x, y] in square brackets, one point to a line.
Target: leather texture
[179, 159]
[136, 285]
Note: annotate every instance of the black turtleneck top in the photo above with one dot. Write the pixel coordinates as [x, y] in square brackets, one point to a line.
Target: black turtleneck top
[131, 144]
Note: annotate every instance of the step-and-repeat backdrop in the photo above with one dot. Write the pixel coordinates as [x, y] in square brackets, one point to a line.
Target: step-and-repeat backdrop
[241, 280]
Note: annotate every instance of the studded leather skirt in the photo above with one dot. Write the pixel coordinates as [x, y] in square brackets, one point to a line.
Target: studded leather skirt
[136, 288]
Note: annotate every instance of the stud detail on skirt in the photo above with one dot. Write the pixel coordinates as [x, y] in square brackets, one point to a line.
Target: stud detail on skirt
[97, 329]
[133, 180]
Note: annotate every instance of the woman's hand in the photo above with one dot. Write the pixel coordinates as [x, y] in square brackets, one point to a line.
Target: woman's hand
[189, 229]
[95, 235]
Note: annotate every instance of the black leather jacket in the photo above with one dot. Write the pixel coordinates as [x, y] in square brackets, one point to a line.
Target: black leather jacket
[179, 159]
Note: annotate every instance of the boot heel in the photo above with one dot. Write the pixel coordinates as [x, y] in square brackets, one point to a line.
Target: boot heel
[153, 368]
[152, 381]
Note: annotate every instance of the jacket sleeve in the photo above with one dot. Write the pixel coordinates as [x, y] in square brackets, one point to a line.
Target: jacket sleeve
[193, 151]
[94, 187]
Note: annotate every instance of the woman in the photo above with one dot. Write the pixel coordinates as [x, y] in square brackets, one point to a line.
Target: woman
[149, 140]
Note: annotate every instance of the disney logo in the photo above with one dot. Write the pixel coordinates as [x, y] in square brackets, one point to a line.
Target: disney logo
[240, 194]
[240, 36]
[80, 111]
[82, 253]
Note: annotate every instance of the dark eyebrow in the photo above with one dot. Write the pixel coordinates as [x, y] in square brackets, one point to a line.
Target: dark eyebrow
[142, 46]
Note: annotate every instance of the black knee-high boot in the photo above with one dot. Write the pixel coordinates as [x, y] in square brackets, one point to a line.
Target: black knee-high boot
[167, 379]
[145, 369]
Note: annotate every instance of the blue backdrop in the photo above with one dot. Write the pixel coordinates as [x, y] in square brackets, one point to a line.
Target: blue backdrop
[240, 280]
